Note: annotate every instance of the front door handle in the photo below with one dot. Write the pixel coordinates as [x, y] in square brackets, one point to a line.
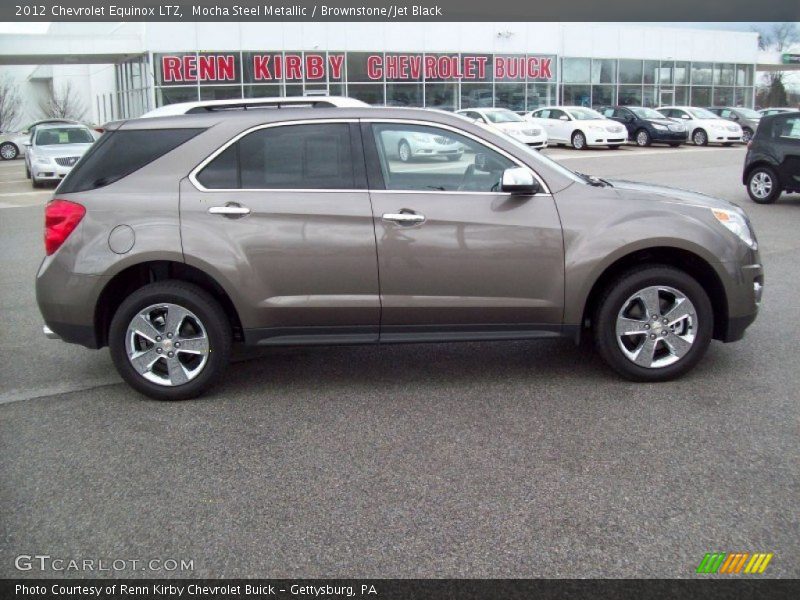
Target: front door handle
[231, 209]
[404, 218]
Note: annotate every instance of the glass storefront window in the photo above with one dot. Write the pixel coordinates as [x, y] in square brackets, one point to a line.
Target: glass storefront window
[651, 70]
[681, 95]
[701, 96]
[723, 74]
[441, 95]
[541, 94]
[603, 95]
[604, 70]
[723, 96]
[630, 71]
[357, 65]
[744, 74]
[576, 70]
[476, 94]
[666, 73]
[404, 94]
[681, 73]
[701, 73]
[630, 95]
[262, 91]
[744, 97]
[576, 95]
[220, 92]
[650, 97]
[510, 95]
[176, 94]
[371, 93]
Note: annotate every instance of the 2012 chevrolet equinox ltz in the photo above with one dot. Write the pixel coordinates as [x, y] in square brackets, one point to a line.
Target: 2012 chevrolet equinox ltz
[175, 237]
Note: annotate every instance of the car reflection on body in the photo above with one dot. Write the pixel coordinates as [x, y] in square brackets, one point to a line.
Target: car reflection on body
[509, 123]
[411, 145]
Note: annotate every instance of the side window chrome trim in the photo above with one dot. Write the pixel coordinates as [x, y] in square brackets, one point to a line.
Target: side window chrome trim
[480, 140]
[201, 188]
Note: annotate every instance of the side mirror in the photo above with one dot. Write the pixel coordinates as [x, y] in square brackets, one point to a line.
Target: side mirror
[520, 181]
[685, 117]
[563, 118]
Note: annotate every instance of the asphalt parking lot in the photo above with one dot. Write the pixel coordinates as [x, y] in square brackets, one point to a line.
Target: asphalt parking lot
[523, 459]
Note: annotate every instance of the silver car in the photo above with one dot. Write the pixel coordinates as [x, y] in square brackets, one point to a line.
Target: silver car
[54, 150]
[746, 118]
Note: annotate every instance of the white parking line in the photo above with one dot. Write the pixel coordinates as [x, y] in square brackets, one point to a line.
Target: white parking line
[41, 193]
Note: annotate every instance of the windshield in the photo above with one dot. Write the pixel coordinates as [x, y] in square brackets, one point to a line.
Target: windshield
[646, 113]
[54, 136]
[538, 156]
[701, 113]
[584, 114]
[502, 116]
[748, 113]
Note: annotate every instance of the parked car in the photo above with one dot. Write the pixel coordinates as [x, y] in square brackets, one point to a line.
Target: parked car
[647, 126]
[509, 123]
[189, 108]
[12, 144]
[772, 164]
[578, 126]
[414, 145]
[704, 127]
[54, 150]
[746, 118]
[766, 112]
[174, 238]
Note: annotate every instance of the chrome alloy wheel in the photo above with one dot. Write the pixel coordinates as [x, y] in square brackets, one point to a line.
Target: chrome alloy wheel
[656, 327]
[761, 185]
[167, 344]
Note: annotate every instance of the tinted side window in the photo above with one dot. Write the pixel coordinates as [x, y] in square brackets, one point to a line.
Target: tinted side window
[787, 129]
[557, 114]
[117, 154]
[285, 157]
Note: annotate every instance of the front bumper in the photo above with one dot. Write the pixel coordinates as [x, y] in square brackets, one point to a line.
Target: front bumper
[534, 141]
[668, 136]
[605, 139]
[744, 291]
[51, 172]
[419, 150]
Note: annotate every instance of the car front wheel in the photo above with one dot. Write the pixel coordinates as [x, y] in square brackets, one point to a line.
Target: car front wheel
[642, 138]
[700, 138]
[8, 151]
[170, 340]
[763, 186]
[654, 323]
[404, 151]
[578, 140]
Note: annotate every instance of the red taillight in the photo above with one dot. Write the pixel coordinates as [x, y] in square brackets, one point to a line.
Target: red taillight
[61, 217]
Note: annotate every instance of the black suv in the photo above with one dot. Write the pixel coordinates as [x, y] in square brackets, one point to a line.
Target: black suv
[772, 164]
[646, 126]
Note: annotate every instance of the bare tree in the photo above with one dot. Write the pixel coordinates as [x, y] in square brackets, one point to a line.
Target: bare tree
[63, 103]
[10, 104]
[780, 37]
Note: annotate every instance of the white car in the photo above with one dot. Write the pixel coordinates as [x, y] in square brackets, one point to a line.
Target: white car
[579, 126]
[54, 149]
[704, 127]
[185, 108]
[407, 145]
[508, 122]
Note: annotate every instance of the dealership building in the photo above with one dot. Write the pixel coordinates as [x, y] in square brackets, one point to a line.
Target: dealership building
[121, 70]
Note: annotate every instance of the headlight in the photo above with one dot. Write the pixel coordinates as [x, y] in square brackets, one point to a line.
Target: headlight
[43, 160]
[595, 128]
[421, 137]
[659, 127]
[718, 127]
[735, 222]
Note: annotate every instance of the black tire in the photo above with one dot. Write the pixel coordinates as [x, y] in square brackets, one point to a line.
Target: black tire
[611, 303]
[27, 172]
[403, 149]
[36, 184]
[207, 310]
[578, 140]
[765, 174]
[700, 137]
[9, 151]
[642, 138]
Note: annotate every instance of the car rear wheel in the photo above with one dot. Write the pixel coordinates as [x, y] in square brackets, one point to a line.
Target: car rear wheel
[763, 186]
[653, 323]
[700, 138]
[8, 151]
[643, 138]
[404, 151]
[170, 340]
[579, 140]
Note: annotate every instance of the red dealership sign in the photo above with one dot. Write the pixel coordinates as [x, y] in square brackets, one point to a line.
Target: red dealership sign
[258, 67]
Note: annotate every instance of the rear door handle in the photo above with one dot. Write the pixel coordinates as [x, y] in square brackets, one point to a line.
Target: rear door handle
[404, 218]
[230, 210]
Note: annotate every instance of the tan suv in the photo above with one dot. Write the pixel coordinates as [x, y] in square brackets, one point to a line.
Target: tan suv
[174, 238]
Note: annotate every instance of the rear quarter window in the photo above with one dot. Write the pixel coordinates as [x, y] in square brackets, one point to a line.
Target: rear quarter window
[119, 153]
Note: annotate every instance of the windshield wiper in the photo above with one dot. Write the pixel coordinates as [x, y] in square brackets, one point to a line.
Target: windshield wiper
[594, 180]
